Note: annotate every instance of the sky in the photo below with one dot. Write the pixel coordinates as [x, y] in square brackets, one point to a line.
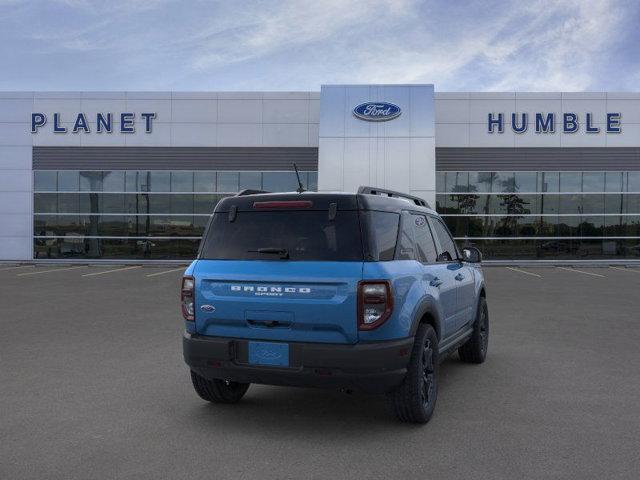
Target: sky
[283, 45]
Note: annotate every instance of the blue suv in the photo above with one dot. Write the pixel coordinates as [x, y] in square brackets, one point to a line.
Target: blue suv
[359, 291]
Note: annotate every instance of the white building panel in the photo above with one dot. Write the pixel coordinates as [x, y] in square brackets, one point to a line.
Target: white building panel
[15, 110]
[330, 157]
[285, 135]
[239, 111]
[194, 111]
[531, 138]
[629, 137]
[377, 153]
[239, 135]
[285, 111]
[15, 158]
[16, 248]
[15, 225]
[15, 181]
[193, 135]
[102, 139]
[162, 109]
[452, 111]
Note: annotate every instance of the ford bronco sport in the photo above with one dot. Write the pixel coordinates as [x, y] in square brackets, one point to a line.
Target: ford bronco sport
[363, 291]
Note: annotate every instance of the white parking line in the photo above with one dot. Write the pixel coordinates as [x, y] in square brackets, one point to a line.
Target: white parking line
[15, 268]
[111, 271]
[634, 270]
[581, 271]
[522, 271]
[50, 271]
[166, 271]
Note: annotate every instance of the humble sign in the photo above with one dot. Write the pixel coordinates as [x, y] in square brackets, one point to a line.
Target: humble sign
[104, 122]
[550, 122]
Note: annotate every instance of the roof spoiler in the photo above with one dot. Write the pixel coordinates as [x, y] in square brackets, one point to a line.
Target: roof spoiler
[249, 191]
[390, 193]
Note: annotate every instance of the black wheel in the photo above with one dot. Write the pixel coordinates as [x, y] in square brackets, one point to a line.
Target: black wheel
[218, 391]
[475, 349]
[414, 400]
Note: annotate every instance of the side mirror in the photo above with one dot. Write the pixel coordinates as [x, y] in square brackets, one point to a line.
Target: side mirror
[471, 255]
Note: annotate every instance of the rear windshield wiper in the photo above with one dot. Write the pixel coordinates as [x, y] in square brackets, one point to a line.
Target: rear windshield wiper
[283, 252]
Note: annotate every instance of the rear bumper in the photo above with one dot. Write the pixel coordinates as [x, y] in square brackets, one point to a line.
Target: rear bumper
[373, 367]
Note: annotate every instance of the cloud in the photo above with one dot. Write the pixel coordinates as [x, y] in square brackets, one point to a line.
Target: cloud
[299, 44]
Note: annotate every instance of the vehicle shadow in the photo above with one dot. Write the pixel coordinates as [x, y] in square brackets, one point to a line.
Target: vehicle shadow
[314, 412]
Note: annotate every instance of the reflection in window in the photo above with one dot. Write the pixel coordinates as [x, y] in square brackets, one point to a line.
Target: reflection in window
[228, 181]
[158, 182]
[570, 181]
[593, 182]
[68, 181]
[549, 182]
[113, 181]
[251, 180]
[204, 181]
[182, 181]
[526, 182]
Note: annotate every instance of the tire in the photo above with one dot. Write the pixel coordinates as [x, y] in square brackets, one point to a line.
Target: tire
[415, 399]
[218, 391]
[475, 349]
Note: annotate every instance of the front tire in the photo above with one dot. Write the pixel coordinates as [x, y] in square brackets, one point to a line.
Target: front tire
[218, 391]
[475, 349]
[415, 399]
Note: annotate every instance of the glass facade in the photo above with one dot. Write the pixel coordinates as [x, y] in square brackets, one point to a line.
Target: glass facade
[543, 215]
[136, 214]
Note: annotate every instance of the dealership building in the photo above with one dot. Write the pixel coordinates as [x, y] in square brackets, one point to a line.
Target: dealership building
[135, 175]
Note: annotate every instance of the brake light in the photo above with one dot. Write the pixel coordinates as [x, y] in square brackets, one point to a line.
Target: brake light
[284, 204]
[187, 298]
[375, 303]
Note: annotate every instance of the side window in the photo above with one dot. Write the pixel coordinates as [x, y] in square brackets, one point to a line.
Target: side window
[426, 249]
[406, 250]
[447, 245]
[383, 232]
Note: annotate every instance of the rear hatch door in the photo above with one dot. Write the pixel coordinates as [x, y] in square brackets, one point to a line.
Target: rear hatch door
[273, 300]
[281, 269]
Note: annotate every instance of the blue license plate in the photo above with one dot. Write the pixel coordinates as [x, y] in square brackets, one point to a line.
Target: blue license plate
[267, 353]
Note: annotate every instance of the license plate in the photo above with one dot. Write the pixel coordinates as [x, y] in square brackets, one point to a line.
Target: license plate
[267, 353]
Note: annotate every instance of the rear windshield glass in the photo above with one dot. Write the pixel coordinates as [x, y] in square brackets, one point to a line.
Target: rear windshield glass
[280, 235]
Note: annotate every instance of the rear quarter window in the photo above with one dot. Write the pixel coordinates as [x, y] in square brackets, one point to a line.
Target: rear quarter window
[381, 233]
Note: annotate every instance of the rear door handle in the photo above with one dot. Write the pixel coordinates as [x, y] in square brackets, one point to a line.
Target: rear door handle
[459, 277]
[436, 282]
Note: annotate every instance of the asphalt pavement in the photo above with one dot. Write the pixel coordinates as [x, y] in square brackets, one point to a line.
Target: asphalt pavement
[93, 386]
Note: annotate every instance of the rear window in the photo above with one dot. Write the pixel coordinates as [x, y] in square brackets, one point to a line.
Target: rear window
[302, 234]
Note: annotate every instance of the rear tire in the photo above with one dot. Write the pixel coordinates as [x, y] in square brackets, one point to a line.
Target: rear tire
[475, 349]
[218, 391]
[415, 399]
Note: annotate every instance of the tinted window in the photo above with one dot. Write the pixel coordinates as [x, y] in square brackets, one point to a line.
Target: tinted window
[406, 249]
[446, 242]
[426, 249]
[305, 235]
[382, 234]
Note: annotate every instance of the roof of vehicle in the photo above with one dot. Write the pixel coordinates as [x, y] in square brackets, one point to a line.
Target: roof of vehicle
[322, 200]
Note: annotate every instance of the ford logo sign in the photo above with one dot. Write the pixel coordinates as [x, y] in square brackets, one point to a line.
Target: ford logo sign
[377, 111]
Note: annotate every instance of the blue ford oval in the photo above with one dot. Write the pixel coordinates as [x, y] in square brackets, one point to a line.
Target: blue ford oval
[377, 111]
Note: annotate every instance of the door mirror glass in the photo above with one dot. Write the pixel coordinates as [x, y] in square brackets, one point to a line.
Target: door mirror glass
[471, 255]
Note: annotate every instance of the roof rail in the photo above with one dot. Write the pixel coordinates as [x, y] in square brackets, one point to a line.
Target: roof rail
[390, 193]
[249, 191]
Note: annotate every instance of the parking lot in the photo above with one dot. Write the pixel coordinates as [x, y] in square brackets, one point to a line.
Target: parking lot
[92, 385]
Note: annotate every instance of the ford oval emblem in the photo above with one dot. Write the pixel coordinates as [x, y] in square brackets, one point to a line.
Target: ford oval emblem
[207, 308]
[377, 111]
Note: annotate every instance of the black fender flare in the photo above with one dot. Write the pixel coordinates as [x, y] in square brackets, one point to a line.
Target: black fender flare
[427, 306]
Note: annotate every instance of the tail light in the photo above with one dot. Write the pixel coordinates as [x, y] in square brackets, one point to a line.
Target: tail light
[375, 303]
[187, 298]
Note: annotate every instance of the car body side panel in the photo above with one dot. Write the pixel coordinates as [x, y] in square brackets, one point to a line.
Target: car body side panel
[409, 285]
